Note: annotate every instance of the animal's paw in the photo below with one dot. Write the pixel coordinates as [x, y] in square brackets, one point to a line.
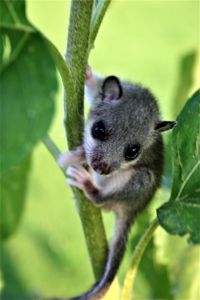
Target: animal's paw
[80, 177]
[64, 159]
[74, 157]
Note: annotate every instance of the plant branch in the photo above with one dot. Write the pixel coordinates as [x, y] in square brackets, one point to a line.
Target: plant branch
[53, 150]
[137, 255]
[76, 59]
[97, 17]
[64, 70]
[51, 146]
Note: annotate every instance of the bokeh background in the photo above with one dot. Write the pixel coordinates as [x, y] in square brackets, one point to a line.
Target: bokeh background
[143, 41]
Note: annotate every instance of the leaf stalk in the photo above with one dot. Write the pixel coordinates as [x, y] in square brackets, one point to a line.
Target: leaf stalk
[137, 255]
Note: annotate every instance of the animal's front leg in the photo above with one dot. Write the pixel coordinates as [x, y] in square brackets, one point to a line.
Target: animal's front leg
[83, 180]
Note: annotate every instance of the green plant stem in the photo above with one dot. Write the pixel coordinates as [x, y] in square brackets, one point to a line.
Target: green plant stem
[76, 59]
[137, 255]
[64, 70]
[97, 18]
[51, 146]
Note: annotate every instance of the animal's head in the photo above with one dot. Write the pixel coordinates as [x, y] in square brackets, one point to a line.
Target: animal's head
[122, 126]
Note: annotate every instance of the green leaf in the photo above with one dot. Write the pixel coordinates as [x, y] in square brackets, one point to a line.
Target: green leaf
[28, 85]
[185, 80]
[13, 185]
[1, 48]
[13, 12]
[181, 214]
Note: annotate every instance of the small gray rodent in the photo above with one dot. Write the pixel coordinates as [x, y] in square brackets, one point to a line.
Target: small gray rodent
[123, 149]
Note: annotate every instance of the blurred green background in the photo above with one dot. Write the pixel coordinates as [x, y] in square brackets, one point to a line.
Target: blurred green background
[143, 41]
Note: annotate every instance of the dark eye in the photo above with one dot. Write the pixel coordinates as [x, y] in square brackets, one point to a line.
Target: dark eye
[132, 152]
[99, 131]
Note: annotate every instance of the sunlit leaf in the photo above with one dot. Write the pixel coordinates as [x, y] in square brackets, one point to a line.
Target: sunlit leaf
[181, 214]
[185, 81]
[28, 85]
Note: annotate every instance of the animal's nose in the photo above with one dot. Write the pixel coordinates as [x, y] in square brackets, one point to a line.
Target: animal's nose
[101, 167]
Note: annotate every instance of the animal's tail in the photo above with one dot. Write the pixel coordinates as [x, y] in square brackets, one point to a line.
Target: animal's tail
[115, 256]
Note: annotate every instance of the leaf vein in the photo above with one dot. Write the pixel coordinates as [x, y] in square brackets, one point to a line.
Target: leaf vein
[189, 204]
[19, 27]
[12, 11]
[15, 53]
[186, 179]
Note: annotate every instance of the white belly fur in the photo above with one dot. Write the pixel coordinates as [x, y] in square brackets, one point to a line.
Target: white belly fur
[114, 182]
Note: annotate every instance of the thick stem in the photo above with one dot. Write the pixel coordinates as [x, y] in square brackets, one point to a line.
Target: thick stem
[137, 255]
[96, 246]
[76, 58]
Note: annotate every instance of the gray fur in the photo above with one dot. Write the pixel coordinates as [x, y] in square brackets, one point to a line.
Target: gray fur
[129, 120]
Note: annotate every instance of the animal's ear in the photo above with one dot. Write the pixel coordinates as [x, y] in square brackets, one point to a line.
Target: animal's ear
[111, 88]
[165, 125]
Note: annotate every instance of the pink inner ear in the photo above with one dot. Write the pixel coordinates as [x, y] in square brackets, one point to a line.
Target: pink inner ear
[111, 88]
[111, 95]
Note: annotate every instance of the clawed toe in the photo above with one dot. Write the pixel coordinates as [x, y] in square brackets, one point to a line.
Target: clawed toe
[75, 183]
[78, 176]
